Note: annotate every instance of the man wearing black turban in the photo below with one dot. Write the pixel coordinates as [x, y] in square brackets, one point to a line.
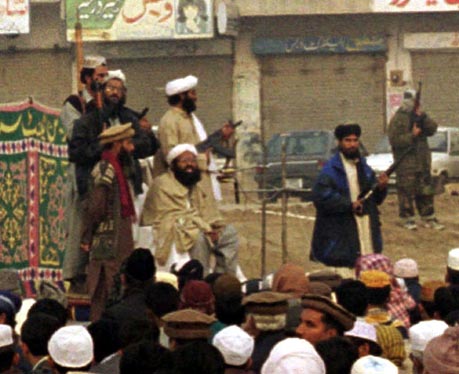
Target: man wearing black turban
[347, 225]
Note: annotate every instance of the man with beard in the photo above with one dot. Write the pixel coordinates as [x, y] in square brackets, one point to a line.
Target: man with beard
[410, 128]
[84, 147]
[185, 219]
[108, 215]
[346, 225]
[92, 75]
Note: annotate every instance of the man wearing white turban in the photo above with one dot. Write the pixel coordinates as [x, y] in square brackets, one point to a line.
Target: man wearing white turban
[185, 219]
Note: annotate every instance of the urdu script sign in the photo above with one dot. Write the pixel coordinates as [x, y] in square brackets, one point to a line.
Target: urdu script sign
[415, 5]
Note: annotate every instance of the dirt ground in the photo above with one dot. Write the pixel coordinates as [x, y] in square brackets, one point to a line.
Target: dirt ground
[428, 247]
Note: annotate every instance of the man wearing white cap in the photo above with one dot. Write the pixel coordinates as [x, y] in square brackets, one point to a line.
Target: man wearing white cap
[92, 75]
[185, 218]
[8, 356]
[84, 147]
[71, 349]
[180, 125]
[452, 268]
[373, 365]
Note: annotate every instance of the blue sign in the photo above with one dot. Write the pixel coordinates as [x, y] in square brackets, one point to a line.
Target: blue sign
[319, 45]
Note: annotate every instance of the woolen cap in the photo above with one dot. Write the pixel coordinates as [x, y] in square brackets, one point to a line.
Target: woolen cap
[267, 303]
[441, 355]
[188, 324]
[116, 133]
[227, 285]
[424, 331]
[406, 268]
[293, 355]
[180, 85]
[328, 277]
[234, 344]
[71, 347]
[6, 336]
[453, 259]
[327, 306]
[373, 365]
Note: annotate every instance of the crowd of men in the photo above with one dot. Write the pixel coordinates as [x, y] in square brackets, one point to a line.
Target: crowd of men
[171, 313]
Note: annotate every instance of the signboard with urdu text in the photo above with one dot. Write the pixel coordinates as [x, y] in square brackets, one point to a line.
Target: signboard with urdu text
[415, 5]
[14, 17]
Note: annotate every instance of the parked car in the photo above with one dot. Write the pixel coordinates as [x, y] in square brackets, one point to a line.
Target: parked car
[444, 145]
[306, 153]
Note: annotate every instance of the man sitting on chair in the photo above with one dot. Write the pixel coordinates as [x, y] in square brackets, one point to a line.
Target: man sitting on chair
[186, 220]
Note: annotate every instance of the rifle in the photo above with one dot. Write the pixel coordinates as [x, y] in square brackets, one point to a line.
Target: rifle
[213, 141]
[365, 195]
[414, 118]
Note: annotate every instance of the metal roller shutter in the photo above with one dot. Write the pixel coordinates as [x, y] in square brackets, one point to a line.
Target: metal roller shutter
[439, 73]
[146, 79]
[45, 75]
[319, 92]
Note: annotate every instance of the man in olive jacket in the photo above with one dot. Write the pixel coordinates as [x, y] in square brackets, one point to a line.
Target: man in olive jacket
[409, 128]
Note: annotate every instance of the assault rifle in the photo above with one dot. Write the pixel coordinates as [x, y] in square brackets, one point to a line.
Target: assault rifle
[414, 118]
[214, 139]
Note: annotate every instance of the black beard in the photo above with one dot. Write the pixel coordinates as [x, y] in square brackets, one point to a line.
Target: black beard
[188, 105]
[186, 178]
[351, 155]
[113, 109]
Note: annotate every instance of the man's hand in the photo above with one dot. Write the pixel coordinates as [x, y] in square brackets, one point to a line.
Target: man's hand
[416, 131]
[357, 207]
[214, 235]
[145, 125]
[227, 131]
[383, 181]
[85, 247]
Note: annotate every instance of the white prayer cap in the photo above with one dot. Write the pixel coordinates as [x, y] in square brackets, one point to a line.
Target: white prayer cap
[6, 336]
[409, 93]
[363, 330]
[453, 259]
[115, 74]
[71, 347]
[373, 365]
[293, 355]
[424, 331]
[406, 268]
[21, 316]
[164, 276]
[178, 150]
[181, 85]
[91, 62]
[234, 344]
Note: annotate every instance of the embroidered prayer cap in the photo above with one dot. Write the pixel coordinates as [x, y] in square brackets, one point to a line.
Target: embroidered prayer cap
[234, 344]
[188, 324]
[363, 330]
[293, 355]
[325, 305]
[453, 259]
[341, 131]
[180, 85]
[115, 74]
[93, 61]
[375, 278]
[267, 303]
[374, 261]
[116, 133]
[178, 150]
[428, 289]
[6, 336]
[373, 365]
[406, 268]
[423, 332]
[441, 355]
[71, 347]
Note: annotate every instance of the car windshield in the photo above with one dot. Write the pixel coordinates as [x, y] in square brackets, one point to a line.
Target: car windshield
[305, 144]
[438, 142]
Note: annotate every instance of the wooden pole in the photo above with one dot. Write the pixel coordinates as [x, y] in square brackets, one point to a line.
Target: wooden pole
[79, 49]
[284, 201]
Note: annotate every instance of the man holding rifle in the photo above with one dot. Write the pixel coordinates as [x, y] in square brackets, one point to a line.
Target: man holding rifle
[409, 129]
[347, 221]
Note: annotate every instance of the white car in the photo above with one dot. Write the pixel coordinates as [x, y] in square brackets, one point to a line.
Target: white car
[444, 145]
